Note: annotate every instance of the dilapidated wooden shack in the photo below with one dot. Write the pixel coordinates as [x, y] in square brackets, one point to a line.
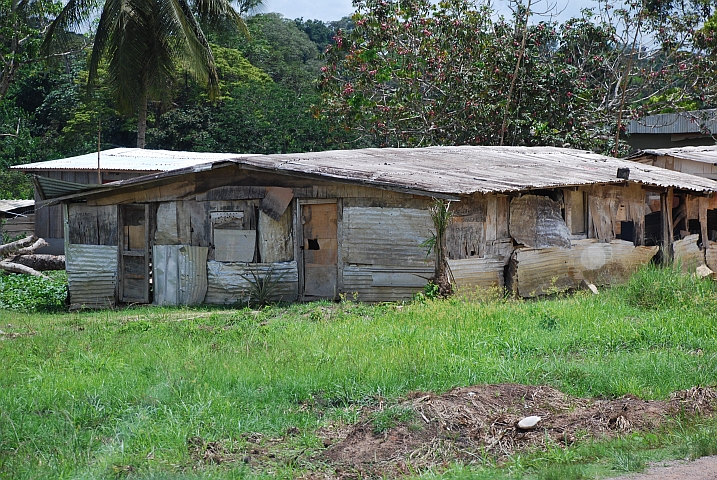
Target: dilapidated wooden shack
[327, 223]
[65, 175]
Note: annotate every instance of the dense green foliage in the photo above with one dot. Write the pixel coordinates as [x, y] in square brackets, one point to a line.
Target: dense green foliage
[34, 294]
[96, 394]
[403, 73]
[416, 73]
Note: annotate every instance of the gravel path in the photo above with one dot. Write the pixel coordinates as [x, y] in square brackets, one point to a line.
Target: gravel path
[704, 468]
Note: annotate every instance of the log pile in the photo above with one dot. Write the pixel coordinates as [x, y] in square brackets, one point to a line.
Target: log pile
[19, 257]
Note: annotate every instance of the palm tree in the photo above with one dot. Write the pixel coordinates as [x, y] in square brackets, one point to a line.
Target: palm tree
[145, 42]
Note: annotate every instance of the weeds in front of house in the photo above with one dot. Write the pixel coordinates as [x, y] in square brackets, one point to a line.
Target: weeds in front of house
[120, 393]
[656, 287]
[263, 288]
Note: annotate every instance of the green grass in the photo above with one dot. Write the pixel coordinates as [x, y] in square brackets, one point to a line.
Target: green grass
[118, 393]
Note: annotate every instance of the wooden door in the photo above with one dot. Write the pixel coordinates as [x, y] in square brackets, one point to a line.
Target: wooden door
[320, 250]
[134, 254]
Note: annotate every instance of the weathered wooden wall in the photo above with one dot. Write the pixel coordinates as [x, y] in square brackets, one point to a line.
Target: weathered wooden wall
[610, 205]
[90, 225]
[701, 169]
[478, 272]
[18, 226]
[48, 220]
[534, 272]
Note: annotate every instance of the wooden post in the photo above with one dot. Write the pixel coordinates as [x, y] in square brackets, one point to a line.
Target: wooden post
[666, 200]
[703, 205]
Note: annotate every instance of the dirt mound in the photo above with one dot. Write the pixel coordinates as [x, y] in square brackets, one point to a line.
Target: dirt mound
[468, 424]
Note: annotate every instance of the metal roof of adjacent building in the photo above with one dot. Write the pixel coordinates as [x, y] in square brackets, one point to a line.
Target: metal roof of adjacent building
[128, 159]
[450, 171]
[7, 206]
[699, 121]
[704, 154]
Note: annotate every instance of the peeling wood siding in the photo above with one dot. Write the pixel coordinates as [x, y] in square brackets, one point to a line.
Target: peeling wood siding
[379, 283]
[687, 254]
[477, 272]
[179, 274]
[384, 236]
[466, 232]
[610, 205]
[92, 275]
[276, 239]
[534, 272]
[276, 201]
[226, 286]
[92, 225]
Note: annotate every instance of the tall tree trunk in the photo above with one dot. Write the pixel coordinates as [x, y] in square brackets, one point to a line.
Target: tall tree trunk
[521, 52]
[142, 118]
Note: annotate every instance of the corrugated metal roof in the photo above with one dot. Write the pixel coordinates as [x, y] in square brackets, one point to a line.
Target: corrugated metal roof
[699, 121]
[10, 205]
[450, 171]
[52, 188]
[704, 154]
[470, 169]
[129, 159]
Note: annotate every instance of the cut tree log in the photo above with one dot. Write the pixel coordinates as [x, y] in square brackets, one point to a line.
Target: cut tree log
[12, 247]
[41, 263]
[20, 249]
[17, 268]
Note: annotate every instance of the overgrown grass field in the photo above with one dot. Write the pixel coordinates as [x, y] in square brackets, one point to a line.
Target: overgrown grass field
[112, 393]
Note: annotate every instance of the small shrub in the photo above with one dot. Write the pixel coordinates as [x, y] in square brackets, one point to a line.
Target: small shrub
[263, 289]
[34, 294]
[431, 290]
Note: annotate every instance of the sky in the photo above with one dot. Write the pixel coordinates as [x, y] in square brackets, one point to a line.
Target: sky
[328, 10]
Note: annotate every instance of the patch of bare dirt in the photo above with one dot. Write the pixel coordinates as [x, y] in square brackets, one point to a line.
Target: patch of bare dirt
[468, 424]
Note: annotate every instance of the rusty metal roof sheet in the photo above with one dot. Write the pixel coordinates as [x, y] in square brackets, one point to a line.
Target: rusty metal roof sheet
[699, 121]
[704, 154]
[471, 169]
[448, 171]
[10, 205]
[128, 159]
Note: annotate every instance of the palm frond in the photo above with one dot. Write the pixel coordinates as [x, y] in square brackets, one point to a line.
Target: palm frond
[75, 14]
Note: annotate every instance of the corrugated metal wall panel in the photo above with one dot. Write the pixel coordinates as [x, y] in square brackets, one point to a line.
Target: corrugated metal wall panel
[385, 236]
[180, 274]
[226, 286]
[91, 275]
[376, 283]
